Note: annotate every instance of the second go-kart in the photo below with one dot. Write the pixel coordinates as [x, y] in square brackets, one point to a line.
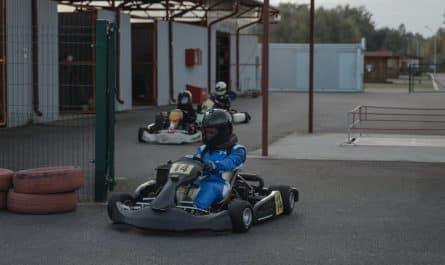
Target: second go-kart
[167, 202]
[169, 128]
[237, 117]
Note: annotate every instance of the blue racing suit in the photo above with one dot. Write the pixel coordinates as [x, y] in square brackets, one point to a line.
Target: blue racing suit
[214, 186]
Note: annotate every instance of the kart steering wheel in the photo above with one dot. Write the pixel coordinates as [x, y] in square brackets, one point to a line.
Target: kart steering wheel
[198, 158]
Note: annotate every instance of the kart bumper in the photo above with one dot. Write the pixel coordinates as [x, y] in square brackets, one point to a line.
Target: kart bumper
[174, 219]
[167, 137]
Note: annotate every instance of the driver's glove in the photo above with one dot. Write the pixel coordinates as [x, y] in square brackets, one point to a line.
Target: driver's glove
[197, 157]
[209, 166]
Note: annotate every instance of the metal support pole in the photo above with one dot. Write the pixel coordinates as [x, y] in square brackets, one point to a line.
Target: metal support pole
[35, 60]
[265, 79]
[105, 106]
[311, 69]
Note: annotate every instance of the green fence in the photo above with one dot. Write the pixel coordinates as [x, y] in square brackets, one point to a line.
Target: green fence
[72, 120]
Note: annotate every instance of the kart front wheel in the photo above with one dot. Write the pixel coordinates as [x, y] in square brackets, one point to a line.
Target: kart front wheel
[122, 197]
[241, 214]
[288, 197]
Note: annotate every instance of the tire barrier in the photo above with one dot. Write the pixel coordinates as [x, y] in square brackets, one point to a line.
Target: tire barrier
[5, 179]
[48, 180]
[41, 204]
[3, 200]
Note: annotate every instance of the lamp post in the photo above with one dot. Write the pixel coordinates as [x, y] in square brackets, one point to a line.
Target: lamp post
[435, 48]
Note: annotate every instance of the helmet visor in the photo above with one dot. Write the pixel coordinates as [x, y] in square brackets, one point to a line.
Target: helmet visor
[210, 133]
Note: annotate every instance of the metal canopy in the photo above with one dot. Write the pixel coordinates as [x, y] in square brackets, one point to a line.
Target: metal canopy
[191, 10]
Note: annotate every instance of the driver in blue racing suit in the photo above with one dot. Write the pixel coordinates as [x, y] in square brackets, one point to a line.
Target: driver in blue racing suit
[221, 155]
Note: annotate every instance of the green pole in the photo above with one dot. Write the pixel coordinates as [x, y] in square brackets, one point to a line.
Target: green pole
[105, 86]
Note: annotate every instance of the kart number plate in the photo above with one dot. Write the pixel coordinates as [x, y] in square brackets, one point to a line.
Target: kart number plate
[183, 169]
[278, 204]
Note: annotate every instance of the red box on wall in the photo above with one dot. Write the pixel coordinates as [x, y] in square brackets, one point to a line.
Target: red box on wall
[193, 57]
[199, 94]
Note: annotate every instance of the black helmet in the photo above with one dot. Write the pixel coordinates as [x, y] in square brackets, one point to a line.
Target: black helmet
[185, 98]
[219, 120]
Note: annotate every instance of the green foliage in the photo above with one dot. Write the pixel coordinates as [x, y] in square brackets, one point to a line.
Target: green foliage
[346, 24]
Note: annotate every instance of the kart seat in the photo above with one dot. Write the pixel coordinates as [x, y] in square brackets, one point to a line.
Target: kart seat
[230, 178]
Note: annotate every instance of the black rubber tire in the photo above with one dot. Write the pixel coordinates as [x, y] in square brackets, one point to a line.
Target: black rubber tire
[146, 190]
[140, 133]
[286, 196]
[248, 118]
[236, 211]
[3, 195]
[114, 198]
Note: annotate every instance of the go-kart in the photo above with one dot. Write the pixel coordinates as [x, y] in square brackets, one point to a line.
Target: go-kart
[167, 202]
[165, 131]
[237, 117]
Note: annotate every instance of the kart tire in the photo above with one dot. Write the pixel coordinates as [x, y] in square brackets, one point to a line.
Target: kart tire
[5, 179]
[48, 180]
[140, 134]
[41, 204]
[248, 117]
[145, 189]
[117, 197]
[287, 196]
[241, 215]
[3, 195]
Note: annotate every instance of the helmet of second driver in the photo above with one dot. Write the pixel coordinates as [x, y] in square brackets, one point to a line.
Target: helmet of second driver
[221, 88]
[185, 98]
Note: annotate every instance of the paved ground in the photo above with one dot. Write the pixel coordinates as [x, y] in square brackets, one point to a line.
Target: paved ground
[350, 213]
[288, 114]
[333, 146]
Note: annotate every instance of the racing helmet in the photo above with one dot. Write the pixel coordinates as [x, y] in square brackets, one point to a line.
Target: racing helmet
[185, 98]
[220, 88]
[174, 118]
[216, 127]
[175, 115]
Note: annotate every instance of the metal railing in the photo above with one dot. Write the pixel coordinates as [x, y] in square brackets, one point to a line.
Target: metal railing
[402, 120]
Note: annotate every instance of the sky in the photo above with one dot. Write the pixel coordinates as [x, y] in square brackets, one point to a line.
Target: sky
[414, 14]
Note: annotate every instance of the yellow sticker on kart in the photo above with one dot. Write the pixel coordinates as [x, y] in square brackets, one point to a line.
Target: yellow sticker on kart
[278, 204]
[183, 169]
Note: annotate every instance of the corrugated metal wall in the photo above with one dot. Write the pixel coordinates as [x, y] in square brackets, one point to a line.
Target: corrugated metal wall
[338, 67]
[162, 63]
[19, 60]
[184, 36]
[248, 57]
[48, 30]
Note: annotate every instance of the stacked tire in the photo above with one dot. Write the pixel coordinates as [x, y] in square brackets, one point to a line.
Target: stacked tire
[45, 190]
[5, 184]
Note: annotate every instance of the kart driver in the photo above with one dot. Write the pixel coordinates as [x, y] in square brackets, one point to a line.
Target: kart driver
[221, 97]
[185, 104]
[221, 155]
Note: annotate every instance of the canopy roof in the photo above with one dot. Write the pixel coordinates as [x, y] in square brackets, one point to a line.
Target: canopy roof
[190, 10]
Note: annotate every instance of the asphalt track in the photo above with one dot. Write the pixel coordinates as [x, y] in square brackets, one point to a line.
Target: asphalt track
[351, 212]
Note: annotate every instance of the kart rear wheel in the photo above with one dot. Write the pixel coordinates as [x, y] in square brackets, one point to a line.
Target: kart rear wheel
[288, 197]
[122, 197]
[241, 214]
[140, 134]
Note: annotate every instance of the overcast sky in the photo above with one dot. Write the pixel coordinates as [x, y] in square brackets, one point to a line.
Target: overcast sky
[415, 14]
